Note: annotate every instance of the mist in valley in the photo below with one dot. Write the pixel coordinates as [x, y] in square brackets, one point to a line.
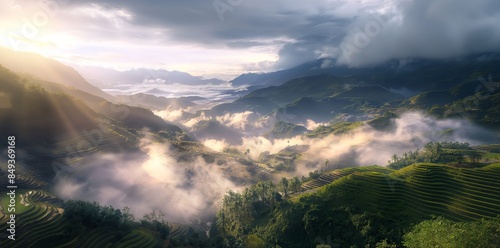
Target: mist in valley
[363, 146]
[155, 178]
[151, 179]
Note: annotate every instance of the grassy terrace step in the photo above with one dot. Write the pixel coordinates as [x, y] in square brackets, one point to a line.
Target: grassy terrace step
[54, 227]
[87, 239]
[45, 215]
[110, 141]
[177, 231]
[38, 223]
[102, 238]
[375, 193]
[38, 196]
[24, 179]
[139, 238]
[71, 243]
[333, 175]
[423, 189]
[130, 240]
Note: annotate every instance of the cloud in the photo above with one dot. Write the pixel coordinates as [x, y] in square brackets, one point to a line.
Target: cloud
[211, 92]
[216, 145]
[366, 145]
[191, 122]
[427, 29]
[152, 179]
[247, 122]
[258, 35]
[172, 115]
[311, 125]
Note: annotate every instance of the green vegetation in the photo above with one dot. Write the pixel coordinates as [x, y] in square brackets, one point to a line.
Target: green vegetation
[383, 122]
[61, 131]
[20, 207]
[370, 206]
[336, 129]
[284, 160]
[365, 207]
[459, 154]
[85, 224]
[441, 232]
[283, 130]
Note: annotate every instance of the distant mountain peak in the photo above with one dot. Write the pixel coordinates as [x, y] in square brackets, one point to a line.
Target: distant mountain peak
[105, 76]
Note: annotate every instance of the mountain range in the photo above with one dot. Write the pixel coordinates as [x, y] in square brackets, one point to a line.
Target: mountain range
[285, 164]
[104, 77]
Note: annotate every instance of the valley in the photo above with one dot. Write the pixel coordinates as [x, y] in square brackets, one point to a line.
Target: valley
[250, 124]
[295, 153]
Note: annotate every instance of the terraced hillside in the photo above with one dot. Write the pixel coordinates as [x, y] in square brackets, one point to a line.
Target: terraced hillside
[36, 219]
[421, 181]
[72, 130]
[367, 205]
[419, 190]
[330, 176]
[40, 223]
[457, 194]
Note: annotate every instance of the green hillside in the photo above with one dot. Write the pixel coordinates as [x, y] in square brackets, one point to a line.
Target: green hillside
[282, 130]
[47, 222]
[441, 88]
[369, 205]
[59, 130]
[47, 69]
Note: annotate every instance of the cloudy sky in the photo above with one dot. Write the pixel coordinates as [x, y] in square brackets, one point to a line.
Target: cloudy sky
[227, 37]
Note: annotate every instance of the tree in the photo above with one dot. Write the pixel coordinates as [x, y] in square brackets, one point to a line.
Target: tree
[154, 221]
[284, 185]
[253, 241]
[441, 232]
[385, 244]
[128, 217]
[295, 185]
[475, 157]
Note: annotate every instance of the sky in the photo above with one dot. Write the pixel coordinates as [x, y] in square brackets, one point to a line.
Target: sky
[224, 38]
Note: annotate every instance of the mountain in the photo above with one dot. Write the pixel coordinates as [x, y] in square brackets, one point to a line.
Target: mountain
[212, 129]
[47, 69]
[260, 105]
[38, 117]
[59, 137]
[311, 68]
[104, 77]
[319, 98]
[61, 129]
[392, 86]
[36, 114]
[282, 76]
[413, 73]
[283, 130]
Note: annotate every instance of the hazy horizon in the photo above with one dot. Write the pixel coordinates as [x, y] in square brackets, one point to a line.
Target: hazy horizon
[218, 39]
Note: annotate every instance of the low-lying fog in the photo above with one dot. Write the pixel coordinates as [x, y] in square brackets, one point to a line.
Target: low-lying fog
[147, 180]
[154, 179]
[216, 92]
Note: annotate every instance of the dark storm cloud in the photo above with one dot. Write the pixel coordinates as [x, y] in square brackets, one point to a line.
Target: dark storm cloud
[425, 28]
[299, 31]
[299, 28]
[432, 29]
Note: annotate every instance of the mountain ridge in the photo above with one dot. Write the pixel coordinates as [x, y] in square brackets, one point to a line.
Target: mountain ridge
[47, 69]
